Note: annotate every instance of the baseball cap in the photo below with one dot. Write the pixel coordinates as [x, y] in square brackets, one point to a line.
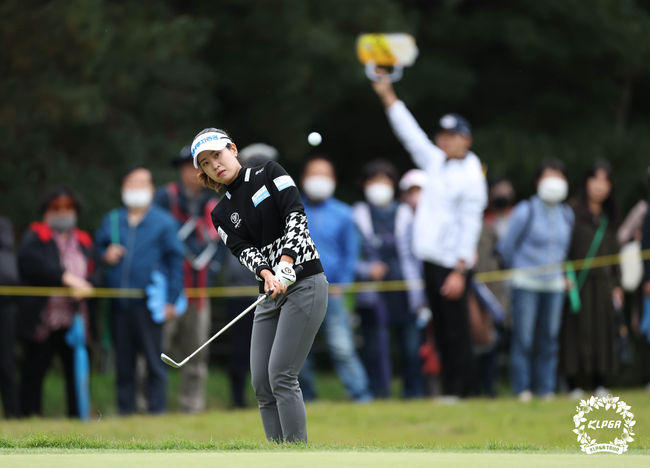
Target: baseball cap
[208, 141]
[454, 123]
[184, 155]
[413, 178]
[257, 153]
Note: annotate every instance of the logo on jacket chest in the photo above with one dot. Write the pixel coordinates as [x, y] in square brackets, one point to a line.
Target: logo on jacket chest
[235, 219]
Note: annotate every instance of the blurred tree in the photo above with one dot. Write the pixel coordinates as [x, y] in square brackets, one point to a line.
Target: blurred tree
[91, 87]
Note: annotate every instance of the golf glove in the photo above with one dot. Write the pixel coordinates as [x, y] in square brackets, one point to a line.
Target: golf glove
[285, 273]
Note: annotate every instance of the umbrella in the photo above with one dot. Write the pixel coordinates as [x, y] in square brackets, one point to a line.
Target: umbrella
[76, 339]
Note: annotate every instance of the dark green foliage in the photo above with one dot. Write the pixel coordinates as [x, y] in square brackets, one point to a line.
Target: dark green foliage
[90, 88]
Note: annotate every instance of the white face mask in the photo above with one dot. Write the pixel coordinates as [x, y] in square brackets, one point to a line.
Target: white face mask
[553, 190]
[379, 194]
[137, 198]
[318, 188]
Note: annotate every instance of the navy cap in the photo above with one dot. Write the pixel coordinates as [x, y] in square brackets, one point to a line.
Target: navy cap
[184, 155]
[454, 123]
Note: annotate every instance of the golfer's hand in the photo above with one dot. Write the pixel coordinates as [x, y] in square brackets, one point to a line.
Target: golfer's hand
[646, 288]
[271, 283]
[285, 274]
[114, 254]
[454, 286]
[384, 88]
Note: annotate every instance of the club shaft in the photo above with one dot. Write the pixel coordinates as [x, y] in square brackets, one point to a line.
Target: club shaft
[226, 327]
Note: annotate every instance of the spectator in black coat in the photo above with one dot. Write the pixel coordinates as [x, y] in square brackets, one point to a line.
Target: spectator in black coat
[52, 252]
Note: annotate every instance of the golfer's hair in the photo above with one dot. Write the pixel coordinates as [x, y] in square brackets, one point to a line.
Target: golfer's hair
[202, 176]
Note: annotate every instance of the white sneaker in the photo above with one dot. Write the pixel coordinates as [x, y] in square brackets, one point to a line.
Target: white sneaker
[601, 391]
[577, 393]
[525, 396]
[647, 388]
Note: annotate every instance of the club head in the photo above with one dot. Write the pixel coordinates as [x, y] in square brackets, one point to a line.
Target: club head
[169, 361]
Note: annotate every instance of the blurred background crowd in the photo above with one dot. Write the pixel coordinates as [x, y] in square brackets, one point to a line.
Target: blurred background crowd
[586, 326]
[98, 96]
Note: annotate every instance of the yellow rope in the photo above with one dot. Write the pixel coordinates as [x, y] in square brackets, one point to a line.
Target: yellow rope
[380, 286]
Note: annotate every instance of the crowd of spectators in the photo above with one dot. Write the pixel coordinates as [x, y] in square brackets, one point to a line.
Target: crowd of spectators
[564, 320]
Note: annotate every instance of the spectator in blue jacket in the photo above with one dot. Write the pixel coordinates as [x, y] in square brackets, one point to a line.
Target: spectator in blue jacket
[538, 234]
[333, 230]
[134, 241]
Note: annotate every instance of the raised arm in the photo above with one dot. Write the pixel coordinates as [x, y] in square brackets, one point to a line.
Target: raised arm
[422, 150]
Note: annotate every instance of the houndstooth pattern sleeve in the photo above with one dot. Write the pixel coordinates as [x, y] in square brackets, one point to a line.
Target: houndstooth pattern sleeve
[297, 242]
[253, 259]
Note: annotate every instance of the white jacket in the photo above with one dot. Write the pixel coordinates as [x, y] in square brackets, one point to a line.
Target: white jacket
[449, 217]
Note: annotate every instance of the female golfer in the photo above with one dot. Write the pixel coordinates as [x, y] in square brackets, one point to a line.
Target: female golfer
[262, 221]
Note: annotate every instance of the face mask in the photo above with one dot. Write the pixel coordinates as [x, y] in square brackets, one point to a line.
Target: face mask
[137, 198]
[552, 190]
[62, 223]
[379, 194]
[318, 188]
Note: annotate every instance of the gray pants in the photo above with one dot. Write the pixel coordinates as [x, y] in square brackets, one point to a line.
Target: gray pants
[283, 332]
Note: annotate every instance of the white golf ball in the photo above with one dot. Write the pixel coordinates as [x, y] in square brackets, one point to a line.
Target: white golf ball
[314, 138]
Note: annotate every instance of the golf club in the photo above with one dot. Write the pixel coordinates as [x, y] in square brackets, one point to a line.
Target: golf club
[170, 362]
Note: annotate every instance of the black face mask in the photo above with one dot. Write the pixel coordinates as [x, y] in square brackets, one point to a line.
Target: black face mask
[501, 202]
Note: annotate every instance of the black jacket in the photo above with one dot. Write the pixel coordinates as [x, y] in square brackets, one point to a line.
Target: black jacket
[8, 268]
[645, 243]
[39, 264]
[261, 217]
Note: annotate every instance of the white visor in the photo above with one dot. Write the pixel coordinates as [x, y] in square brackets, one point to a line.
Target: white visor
[211, 141]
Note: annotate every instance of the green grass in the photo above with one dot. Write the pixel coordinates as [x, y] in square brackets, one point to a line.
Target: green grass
[500, 433]
[488, 425]
[318, 459]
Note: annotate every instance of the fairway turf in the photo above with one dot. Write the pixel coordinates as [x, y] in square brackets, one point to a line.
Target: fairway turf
[478, 424]
[473, 433]
[318, 459]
